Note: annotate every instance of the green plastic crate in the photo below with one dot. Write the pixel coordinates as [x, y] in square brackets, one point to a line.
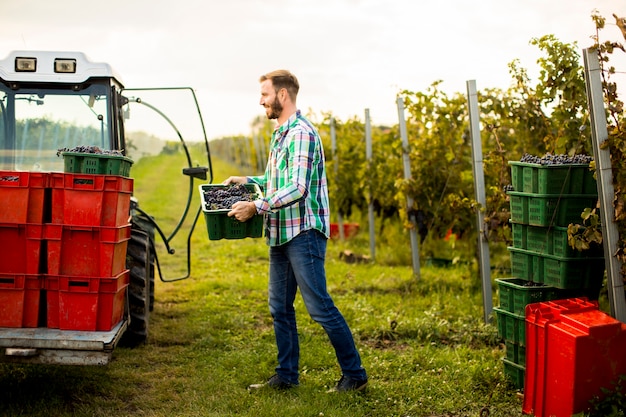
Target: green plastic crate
[511, 326]
[559, 272]
[548, 209]
[553, 241]
[519, 233]
[515, 373]
[541, 239]
[526, 265]
[89, 163]
[516, 293]
[553, 179]
[571, 273]
[519, 207]
[220, 226]
[515, 353]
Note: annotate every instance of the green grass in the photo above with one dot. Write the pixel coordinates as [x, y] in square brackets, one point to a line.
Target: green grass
[423, 341]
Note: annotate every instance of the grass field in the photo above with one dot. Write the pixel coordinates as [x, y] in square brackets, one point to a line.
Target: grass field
[423, 342]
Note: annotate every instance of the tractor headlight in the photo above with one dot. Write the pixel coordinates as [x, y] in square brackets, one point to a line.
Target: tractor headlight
[23, 64]
[65, 65]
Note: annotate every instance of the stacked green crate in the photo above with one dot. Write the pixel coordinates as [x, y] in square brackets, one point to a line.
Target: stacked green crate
[544, 201]
[551, 198]
[515, 294]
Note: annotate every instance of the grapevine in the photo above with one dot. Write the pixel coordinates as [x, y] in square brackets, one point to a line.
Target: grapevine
[223, 198]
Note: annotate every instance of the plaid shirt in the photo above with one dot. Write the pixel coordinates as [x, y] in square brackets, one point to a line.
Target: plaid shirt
[294, 183]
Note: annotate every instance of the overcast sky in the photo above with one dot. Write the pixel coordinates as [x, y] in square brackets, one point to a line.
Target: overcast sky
[349, 55]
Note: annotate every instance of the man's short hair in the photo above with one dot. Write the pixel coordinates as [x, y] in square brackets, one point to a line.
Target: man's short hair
[283, 79]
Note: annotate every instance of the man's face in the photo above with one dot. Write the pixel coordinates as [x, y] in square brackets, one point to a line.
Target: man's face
[269, 100]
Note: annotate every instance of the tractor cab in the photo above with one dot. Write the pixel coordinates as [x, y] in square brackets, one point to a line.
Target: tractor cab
[50, 101]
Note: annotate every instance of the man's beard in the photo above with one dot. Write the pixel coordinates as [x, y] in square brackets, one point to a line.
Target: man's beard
[275, 109]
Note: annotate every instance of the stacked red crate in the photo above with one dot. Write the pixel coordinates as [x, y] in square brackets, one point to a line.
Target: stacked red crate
[574, 355]
[86, 240]
[90, 199]
[86, 303]
[21, 235]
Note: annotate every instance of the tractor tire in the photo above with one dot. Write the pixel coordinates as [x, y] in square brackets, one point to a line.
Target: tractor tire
[140, 262]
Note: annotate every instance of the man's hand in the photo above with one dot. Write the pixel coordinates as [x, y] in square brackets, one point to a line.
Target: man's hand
[235, 180]
[242, 210]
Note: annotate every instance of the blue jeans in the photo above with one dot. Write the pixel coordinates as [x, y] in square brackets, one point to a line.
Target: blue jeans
[299, 263]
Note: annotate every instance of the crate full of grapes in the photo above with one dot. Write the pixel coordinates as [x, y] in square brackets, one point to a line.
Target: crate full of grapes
[93, 160]
[553, 174]
[217, 200]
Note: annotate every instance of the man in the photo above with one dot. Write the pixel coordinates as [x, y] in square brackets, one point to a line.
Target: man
[296, 207]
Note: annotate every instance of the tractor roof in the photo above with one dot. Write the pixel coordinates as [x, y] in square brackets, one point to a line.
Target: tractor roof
[56, 67]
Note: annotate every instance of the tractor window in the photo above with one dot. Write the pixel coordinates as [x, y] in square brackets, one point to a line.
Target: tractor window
[48, 120]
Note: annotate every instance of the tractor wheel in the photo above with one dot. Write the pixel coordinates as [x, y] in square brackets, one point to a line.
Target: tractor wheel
[140, 262]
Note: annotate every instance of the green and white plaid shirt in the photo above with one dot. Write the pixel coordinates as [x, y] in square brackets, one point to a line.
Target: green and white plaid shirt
[294, 184]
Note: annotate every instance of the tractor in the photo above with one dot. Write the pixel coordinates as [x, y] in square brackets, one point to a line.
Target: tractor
[60, 108]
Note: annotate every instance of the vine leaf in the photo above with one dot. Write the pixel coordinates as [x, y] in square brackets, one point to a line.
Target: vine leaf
[621, 24]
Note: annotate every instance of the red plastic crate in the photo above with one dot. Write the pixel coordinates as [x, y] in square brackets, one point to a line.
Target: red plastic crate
[90, 200]
[573, 352]
[86, 251]
[19, 300]
[20, 248]
[86, 303]
[349, 230]
[24, 193]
